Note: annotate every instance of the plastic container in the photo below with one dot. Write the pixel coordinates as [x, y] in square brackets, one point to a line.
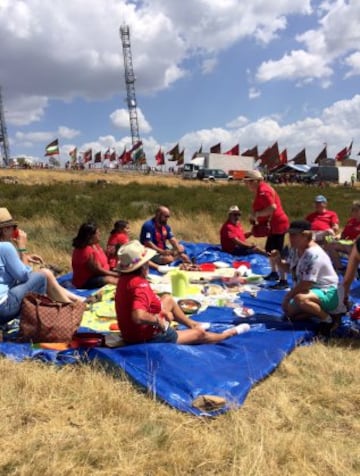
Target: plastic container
[237, 264]
[179, 283]
[207, 267]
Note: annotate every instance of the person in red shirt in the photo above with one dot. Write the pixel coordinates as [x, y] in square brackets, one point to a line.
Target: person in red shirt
[89, 262]
[350, 233]
[324, 222]
[267, 210]
[233, 238]
[119, 235]
[144, 317]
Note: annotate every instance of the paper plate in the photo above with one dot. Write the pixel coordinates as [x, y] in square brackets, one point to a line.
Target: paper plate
[189, 306]
[221, 264]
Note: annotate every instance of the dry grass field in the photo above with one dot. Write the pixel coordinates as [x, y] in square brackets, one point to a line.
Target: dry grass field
[302, 420]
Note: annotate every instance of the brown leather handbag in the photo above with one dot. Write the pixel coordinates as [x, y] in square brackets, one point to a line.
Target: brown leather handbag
[45, 320]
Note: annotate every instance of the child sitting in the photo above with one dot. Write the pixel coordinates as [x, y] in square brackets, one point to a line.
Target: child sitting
[119, 235]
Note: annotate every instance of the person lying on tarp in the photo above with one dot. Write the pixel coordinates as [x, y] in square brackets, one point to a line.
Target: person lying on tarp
[90, 265]
[17, 277]
[315, 293]
[144, 317]
[233, 238]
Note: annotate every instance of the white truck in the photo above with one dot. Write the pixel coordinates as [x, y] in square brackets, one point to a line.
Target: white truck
[329, 173]
[227, 163]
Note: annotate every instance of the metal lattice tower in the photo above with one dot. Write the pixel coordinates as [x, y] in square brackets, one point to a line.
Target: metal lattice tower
[4, 143]
[130, 83]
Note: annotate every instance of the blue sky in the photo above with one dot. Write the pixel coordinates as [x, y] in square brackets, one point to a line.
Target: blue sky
[207, 71]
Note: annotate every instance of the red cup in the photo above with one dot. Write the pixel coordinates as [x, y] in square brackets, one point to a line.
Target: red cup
[15, 233]
[207, 267]
[237, 264]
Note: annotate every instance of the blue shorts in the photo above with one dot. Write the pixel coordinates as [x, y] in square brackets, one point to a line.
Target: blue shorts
[170, 336]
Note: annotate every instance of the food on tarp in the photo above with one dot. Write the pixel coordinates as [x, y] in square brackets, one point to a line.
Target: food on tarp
[244, 312]
[189, 267]
[189, 306]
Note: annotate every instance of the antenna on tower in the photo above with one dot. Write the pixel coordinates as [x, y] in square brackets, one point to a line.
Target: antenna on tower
[130, 83]
[4, 143]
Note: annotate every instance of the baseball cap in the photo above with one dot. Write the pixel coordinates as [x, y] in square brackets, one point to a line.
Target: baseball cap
[298, 226]
[320, 199]
[234, 209]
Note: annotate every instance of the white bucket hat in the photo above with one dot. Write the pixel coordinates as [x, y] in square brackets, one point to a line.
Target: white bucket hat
[133, 255]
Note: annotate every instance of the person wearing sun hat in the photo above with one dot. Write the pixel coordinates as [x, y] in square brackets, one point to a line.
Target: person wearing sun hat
[144, 317]
[324, 222]
[17, 277]
[316, 293]
[267, 211]
[233, 238]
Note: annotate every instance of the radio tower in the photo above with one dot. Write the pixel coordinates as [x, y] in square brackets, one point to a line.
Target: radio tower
[130, 83]
[4, 143]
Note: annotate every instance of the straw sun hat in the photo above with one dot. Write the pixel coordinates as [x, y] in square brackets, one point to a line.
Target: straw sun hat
[6, 219]
[253, 175]
[133, 255]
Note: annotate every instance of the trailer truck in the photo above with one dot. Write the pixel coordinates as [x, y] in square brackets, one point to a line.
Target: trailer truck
[329, 173]
[237, 164]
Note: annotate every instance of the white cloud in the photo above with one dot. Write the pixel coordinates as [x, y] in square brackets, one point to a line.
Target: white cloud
[353, 61]
[120, 119]
[208, 65]
[67, 133]
[254, 93]
[23, 110]
[240, 121]
[337, 35]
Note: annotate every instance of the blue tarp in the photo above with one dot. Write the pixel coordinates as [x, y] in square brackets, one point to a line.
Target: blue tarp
[178, 374]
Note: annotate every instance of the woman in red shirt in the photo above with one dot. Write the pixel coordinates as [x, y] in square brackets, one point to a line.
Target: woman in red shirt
[142, 316]
[89, 262]
[348, 236]
[267, 210]
[119, 235]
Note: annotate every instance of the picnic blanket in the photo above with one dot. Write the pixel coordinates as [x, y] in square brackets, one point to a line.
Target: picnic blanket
[178, 374]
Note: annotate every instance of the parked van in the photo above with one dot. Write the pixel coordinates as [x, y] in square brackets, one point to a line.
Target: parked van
[190, 171]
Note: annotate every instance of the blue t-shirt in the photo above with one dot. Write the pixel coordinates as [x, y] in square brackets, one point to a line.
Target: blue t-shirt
[12, 269]
[156, 234]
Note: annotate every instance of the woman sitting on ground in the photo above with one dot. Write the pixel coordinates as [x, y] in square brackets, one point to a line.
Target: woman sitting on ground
[142, 316]
[349, 234]
[90, 266]
[119, 235]
[17, 278]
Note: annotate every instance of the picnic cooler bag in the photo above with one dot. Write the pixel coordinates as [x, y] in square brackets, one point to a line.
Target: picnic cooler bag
[45, 320]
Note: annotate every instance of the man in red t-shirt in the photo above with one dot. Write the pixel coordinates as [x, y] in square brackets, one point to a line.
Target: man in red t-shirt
[324, 222]
[233, 237]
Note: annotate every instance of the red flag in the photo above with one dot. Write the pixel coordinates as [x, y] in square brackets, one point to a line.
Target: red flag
[321, 156]
[344, 153]
[174, 152]
[160, 157]
[300, 158]
[283, 157]
[180, 159]
[126, 158]
[97, 158]
[251, 153]
[270, 158]
[216, 149]
[112, 156]
[107, 154]
[234, 151]
[87, 157]
[195, 154]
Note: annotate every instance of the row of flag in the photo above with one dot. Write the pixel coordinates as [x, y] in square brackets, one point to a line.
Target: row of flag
[270, 158]
[135, 155]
